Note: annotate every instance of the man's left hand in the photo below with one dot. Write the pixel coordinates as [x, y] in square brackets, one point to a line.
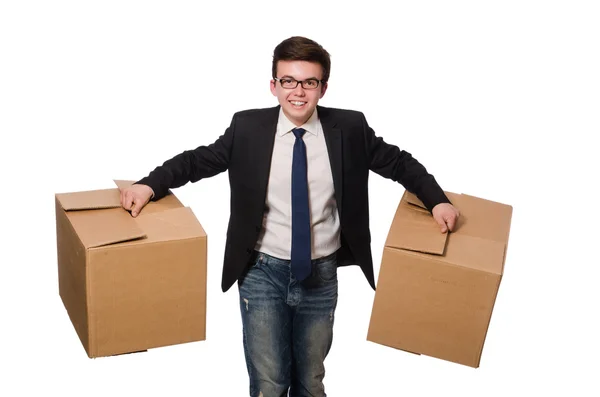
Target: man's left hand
[446, 215]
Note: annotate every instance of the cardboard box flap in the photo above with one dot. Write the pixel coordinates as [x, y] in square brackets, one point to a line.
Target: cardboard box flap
[91, 199]
[165, 203]
[171, 224]
[103, 227]
[483, 218]
[415, 230]
[475, 253]
[122, 184]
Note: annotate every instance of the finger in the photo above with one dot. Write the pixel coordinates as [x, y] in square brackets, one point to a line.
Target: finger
[134, 209]
[451, 221]
[128, 202]
[440, 221]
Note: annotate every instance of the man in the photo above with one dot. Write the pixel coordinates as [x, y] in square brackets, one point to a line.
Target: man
[298, 174]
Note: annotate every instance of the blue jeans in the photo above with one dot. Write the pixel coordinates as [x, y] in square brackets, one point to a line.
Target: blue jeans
[287, 326]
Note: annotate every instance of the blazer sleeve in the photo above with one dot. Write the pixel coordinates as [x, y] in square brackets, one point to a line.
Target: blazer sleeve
[192, 165]
[400, 166]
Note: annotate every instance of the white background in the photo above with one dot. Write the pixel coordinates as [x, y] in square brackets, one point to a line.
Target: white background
[498, 99]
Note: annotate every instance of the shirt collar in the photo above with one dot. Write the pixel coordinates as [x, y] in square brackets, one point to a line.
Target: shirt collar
[284, 125]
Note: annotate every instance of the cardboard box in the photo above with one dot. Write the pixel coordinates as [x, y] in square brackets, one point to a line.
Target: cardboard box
[436, 291]
[130, 284]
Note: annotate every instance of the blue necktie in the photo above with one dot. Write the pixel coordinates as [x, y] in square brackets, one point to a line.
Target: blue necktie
[301, 264]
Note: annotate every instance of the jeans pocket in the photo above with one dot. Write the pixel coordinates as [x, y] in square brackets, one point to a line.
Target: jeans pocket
[327, 270]
[256, 260]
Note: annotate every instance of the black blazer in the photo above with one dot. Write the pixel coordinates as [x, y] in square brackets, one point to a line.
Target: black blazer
[245, 150]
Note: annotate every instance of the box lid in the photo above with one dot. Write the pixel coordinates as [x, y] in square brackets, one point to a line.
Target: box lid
[413, 229]
[169, 225]
[98, 218]
[479, 240]
[166, 219]
[91, 199]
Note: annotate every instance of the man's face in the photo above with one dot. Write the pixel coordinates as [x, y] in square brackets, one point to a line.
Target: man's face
[298, 103]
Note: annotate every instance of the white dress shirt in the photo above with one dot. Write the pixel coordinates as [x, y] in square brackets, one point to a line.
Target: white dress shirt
[276, 236]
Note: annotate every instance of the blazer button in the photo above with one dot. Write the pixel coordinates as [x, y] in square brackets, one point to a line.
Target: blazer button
[248, 250]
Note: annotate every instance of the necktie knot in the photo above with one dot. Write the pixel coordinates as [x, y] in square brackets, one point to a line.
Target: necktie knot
[298, 132]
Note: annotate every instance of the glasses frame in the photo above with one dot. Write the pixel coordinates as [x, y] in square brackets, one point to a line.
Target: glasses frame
[301, 82]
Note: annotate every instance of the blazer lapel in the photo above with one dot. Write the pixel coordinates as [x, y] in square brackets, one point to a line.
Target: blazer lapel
[333, 138]
[263, 146]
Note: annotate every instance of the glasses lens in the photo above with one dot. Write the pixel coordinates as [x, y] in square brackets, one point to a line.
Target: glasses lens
[310, 84]
[288, 83]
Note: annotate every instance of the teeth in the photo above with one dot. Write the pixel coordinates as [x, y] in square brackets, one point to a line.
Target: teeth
[297, 103]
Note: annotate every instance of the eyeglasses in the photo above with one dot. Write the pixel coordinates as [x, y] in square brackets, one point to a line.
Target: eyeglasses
[308, 84]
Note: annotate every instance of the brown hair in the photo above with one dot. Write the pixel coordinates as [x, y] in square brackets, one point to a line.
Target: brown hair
[302, 49]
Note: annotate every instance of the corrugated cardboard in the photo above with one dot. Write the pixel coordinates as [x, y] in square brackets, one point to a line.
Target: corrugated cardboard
[130, 284]
[436, 291]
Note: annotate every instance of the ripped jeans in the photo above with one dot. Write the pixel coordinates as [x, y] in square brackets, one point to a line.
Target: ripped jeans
[287, 326]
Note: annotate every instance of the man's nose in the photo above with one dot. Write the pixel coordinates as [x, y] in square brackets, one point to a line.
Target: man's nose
[299, 91]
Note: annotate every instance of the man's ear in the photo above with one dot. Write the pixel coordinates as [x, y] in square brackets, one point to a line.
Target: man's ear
[323, 89]
[273, 90]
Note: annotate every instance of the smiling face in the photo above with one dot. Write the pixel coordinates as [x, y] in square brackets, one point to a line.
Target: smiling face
[298, 103]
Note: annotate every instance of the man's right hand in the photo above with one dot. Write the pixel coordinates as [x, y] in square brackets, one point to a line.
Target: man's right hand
[135, 197]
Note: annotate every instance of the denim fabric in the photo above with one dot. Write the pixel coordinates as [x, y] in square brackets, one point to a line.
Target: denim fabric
[287, 326]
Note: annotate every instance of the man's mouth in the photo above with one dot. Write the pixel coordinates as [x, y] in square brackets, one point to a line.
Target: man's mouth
[297, 104]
